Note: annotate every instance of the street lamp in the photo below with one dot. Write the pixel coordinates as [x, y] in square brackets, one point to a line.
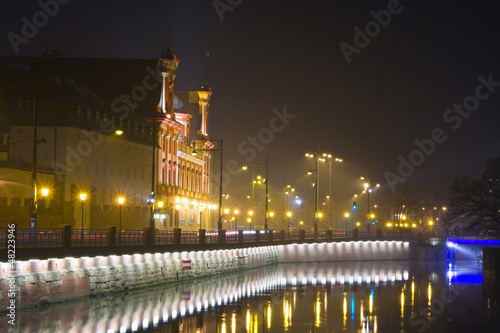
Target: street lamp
[177, 208]
[368, 189]
[289, 215]
[226, 212]
[330, 163]
[346, 217]
[245, 167]
[236, 212]
[121, 200]
[316, 186]
[220, 151]
[83, 196]
[250, 214]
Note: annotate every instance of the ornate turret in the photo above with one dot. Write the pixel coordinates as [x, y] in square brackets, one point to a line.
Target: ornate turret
[204, 103]
[167, 65]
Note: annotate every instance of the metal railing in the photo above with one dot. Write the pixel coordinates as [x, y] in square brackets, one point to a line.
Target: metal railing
[131, 237]
[40, 237]
[89, 237]
[69, 237]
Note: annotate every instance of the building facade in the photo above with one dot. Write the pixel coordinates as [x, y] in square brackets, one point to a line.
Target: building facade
[89, 141]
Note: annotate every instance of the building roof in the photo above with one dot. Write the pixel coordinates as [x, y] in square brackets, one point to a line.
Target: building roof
[128, 88]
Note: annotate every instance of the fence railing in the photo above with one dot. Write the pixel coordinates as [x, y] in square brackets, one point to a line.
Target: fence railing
[69, 237]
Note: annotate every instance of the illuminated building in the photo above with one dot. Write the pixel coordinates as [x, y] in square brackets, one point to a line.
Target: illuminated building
[81, 104]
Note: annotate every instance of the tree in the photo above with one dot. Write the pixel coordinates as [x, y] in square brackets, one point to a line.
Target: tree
[475, 203]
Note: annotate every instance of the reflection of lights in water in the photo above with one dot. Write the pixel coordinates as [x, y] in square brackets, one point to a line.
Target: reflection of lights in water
[412, 292]
[248, 320]
[402, 303]
[353, 309]
[375, 324]
[370, 304]
[326, 302]
[255, 324]
[233, 323]
[165, 316]
[429, 294]
[344, 307]
[287, 313]
[361, 312]
[269, 314]
[317, 311]
[223, 324]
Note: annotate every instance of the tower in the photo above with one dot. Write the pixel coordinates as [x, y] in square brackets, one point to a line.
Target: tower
[167, 65]
[203, 102]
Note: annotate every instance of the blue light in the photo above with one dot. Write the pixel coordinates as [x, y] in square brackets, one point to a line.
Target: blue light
[451, 244]
[474, 241]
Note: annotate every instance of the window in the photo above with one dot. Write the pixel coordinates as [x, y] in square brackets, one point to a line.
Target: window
[24, 105]
[78, 113]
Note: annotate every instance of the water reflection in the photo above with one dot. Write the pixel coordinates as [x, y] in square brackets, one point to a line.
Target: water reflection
[324, 297]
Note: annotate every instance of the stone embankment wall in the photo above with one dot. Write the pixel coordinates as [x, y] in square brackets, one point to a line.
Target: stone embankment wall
[52, 280]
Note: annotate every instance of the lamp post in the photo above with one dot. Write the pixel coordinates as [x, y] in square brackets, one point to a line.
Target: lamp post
[177, 208]
[250, 214]
[236, 212]
[266, 180]
[346, 217]
[34, 202]
[317, 157]
[220, 151]
[151, 200]
[289, 215]
[121, 201]
[368, 190]
[286, 192]
[83, 196]
[330, 163]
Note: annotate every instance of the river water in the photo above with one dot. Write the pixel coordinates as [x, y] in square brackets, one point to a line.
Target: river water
[376, 296]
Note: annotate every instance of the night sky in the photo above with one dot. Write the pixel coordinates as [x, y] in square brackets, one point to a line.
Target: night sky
[396, 87]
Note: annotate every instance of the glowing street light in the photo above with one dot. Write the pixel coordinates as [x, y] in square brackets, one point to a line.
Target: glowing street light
[346, 217]
[121, 201]
[83, 196]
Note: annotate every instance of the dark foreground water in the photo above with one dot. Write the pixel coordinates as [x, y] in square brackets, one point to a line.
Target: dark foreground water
[380, 296]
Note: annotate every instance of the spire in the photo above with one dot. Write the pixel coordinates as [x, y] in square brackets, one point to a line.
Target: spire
[167, 66]
[170, 54]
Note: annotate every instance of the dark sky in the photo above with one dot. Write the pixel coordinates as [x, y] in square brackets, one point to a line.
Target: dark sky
[267, 55]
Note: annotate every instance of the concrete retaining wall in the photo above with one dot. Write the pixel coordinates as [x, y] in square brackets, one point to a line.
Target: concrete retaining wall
[39, 281]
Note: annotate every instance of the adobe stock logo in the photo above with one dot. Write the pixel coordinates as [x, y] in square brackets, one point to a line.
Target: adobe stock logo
[253, 144]
[29, 29]
[225, 6]
[454, 118]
